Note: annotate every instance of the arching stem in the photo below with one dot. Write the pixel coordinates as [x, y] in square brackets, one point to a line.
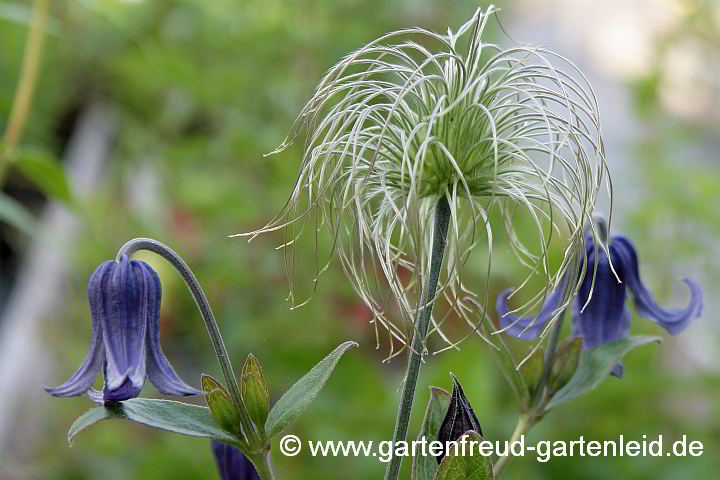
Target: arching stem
[442, 219]
[201, 300]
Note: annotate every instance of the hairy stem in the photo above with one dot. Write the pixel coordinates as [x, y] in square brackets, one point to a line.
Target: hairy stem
[26, 84]
[442, 219]
[212, 327]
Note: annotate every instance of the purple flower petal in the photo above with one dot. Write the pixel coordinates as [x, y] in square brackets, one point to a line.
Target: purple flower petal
[672, 320]
[127, 389]
[605, 317]
[84, 377]
[159, 370]
[528, 328]
[123, 317]
[96, 396]
[232, 464]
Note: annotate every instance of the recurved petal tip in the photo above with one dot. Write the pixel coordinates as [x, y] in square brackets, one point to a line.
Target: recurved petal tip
[526, 328]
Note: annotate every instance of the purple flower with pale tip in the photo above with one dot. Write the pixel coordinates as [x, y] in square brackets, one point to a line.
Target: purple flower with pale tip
[125, 309]
[232, 464]
[600, 313]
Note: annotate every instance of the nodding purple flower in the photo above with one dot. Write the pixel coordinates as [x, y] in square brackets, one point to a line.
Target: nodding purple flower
[232, 464]
[125, 309]
[600, 313]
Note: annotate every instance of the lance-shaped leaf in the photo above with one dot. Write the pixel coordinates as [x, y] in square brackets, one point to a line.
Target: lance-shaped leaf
[467, 465]
[532, 371]
[595, 366]
[254, 391]
[424, 467]
[221, 406]
[176, 417]
[302, 393]
[565, 364]
[459, 419]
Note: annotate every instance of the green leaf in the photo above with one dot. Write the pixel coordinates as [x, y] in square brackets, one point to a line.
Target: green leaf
[595, 366]
[44, 171]
[508, 367]
[16, 215]
[468, 467]
[167, 415]
[299, 396]
[425, 467]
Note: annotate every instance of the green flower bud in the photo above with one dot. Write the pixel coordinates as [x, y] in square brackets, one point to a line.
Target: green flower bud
[221, 406]
[532, 371]
[254, 391]
[564, 364]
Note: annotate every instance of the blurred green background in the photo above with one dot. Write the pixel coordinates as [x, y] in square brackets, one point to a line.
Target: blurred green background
[194, 92]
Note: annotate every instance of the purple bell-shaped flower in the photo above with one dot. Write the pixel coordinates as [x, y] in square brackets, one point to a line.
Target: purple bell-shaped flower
[125, 308]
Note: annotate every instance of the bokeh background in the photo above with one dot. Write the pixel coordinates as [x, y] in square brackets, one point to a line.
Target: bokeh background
[159, 113]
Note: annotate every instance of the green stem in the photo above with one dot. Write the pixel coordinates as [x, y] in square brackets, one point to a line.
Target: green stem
[525, 422]
[442, 219]
[263, 465]
[212, 327]
[528, 420]
[26, 84]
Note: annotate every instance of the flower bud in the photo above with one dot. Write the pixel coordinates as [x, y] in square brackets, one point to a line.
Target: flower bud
[459, 419]
[221, 406]
[254, 391]
[565, 364]
[532, 371]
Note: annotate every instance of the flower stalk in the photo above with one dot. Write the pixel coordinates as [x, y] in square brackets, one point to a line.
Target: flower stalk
[263, 464]
[201, 300]
[527, 420]
[442, 219]
[524, 424]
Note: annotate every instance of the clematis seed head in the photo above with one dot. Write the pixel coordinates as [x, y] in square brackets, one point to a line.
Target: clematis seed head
[415, 116]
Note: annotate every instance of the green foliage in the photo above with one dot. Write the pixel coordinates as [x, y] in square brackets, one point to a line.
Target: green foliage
[45, 171]
[167, 415]
[201, 90]
[456, 466]
[595, 366]
[16, 215]
[294, 401]
[424, 467]
[517, 381]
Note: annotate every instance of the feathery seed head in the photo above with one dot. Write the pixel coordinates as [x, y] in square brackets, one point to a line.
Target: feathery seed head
[414, 116]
